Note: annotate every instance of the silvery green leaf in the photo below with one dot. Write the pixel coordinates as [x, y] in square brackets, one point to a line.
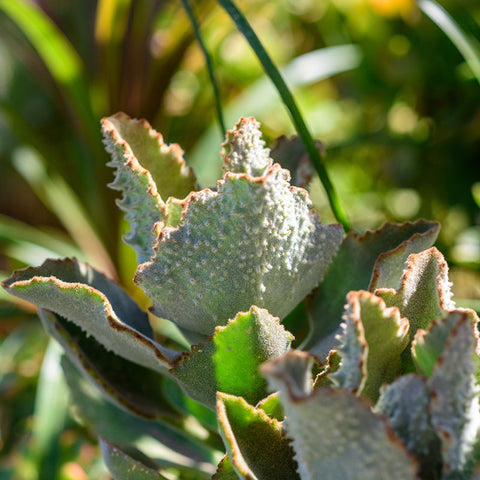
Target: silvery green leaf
[244, 150]
[334, 433]
[97, 305]
[355, 267]
[405, 402]
[373, 340]
[423, 294]
[148, 172]
[454, 406]
[254, 241]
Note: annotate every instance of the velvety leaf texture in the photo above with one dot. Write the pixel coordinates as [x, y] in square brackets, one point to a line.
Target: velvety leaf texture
[244, 150]
[345, 439]
[424, 292]
[229, 361]
[255, 241]
[69, 289]
[373, 355]
[362, 256]
[147, 171]
[454, 407]
[255, 443]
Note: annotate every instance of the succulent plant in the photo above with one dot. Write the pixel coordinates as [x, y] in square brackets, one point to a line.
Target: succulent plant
[381, 381]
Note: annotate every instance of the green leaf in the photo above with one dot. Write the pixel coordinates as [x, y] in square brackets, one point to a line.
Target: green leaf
[424, 292]
[373, 356]
[454, 405]
[255, 443]
[272, 407]
[229, 361]
[467, 45]
[126, 384]
[345, 439]
[244, 150]
[124, 466]
[225, 470]
[90, 300]
[148, 172]
[255, 241]
[167, 445]
[353, 269]
[405, 402]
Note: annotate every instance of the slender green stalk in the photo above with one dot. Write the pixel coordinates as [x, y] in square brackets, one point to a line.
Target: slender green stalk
[287, 98]
[466, 45]
[209, 64]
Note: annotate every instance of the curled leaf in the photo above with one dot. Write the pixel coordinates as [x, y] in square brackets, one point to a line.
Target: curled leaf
[253, 242]
[97, 305]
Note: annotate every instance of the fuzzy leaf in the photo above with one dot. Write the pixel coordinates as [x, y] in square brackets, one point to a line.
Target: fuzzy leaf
[123, 466]
[405, 402]
[244, 150]
[253, 242]
[424, 292]
[345, 439]
[167, 445]
[229, 361]
[454, 405]
[353, 269]
[147, 172]
[255, 443]
[126, 384]
[272, 407]
[97, 305]
[225, 470]
[373, 340]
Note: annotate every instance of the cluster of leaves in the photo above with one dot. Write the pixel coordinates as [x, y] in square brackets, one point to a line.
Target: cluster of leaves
[232, 268]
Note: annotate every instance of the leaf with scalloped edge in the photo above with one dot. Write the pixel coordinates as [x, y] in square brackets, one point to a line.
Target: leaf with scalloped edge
[454, 405]
[148, 172]
[97, 305]
[229, 361]
[255, 241]
[255, 443]
[353, 269]
[128, 466]
[225, 470]
[272, 407]
[424, 291]
[405, 402]
[345, 438]
[126, 384]
[244, 150]
[373, 340]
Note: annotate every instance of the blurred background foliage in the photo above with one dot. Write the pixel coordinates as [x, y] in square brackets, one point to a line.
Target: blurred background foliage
[379, 83]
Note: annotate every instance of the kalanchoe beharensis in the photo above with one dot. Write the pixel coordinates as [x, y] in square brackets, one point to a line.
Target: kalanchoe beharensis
[397, 396]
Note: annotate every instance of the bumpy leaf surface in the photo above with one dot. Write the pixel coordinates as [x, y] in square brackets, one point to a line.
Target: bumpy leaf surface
[225, 470]
[373, 341]
[98, 306]
[454, 406]
[255, 241]
[405, 402]
[335, 434]
[255, 443]
[244, 150]
[147, 171]
[355, 267]
[229, 361]
[424, 292]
